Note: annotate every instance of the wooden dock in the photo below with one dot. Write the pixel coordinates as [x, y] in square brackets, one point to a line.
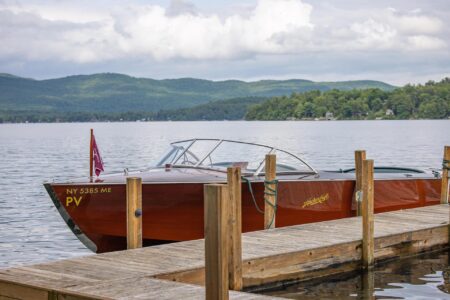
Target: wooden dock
[283, 254]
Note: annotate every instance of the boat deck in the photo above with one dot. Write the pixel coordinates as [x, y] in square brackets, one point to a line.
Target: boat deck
[282, 254]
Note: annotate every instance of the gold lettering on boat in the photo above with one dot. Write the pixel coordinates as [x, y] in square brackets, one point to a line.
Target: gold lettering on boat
[71, 200]
[317, 200]
[71, 191]
[105, 190]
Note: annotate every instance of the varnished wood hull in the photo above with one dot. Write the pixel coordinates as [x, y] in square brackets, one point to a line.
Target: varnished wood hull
[96, 212]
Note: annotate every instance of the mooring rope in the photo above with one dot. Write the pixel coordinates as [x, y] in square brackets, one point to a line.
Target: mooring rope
[268, 191]
[249, 184]
[358, 196]
[446, 164]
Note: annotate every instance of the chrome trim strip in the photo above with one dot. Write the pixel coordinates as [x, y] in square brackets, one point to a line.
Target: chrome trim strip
[256, 180]
[70, 223]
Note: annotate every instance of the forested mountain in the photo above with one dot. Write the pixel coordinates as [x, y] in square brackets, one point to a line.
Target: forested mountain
[232, 109]
[428, 101]
[117, 93]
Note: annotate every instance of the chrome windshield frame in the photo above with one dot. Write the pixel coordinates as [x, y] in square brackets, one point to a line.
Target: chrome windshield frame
[220, 141]
[185, 150]
[209, 153]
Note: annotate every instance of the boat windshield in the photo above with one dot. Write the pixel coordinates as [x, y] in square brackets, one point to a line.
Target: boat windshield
[220, 154]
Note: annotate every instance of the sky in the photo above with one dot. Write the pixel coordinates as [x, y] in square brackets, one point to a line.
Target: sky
[398, 42]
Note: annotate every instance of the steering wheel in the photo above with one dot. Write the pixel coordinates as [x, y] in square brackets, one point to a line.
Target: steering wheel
[187, 161]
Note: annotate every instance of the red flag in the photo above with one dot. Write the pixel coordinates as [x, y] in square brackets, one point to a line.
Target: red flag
[98, 162]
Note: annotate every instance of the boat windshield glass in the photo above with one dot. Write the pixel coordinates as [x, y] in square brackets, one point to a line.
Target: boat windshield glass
[220, 154]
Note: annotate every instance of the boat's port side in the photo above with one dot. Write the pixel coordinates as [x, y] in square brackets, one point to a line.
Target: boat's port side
[96, 213]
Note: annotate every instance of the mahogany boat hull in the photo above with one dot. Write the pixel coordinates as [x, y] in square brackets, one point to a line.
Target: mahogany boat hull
[173, 211]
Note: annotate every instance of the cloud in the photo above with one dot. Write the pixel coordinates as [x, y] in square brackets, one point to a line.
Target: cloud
[180, 7]
[423, 42]
[105, 35]
[390, 29]
[156, 32]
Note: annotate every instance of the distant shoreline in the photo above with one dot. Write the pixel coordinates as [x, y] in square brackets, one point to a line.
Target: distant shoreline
[247, 121]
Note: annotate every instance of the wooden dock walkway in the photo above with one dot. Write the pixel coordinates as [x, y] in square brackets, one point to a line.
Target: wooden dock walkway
[283, 254]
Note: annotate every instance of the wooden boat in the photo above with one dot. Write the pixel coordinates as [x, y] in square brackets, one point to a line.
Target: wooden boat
[95, 207]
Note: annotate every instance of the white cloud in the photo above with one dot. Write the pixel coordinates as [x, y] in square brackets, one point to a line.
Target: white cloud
[423, 42]
[392, 29]
[414, 22]
[153, 31]
[84, 35]
[372, 34]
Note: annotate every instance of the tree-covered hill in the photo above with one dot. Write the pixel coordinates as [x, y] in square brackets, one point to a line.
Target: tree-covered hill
[232, 109]
[429, 101]
[117, 93]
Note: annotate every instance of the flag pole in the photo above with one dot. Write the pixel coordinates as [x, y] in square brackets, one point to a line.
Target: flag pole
[91, 158]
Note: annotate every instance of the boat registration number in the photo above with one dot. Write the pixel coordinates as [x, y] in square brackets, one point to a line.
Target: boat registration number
[75, 195]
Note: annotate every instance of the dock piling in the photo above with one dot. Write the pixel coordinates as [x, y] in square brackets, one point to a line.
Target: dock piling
[134, 212]
[216, 241]
[235, 223]
[367, 214]
[445, 169]
[269, 196]
[360, 155]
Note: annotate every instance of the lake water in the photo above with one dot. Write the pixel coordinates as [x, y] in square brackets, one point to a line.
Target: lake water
[420, 277]
[32, 231]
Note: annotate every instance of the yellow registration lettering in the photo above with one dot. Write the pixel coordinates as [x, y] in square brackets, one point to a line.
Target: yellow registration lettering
[69, 200]
[77, 201]
[71, 191]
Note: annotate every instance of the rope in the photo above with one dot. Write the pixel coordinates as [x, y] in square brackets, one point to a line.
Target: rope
[446, 164]
[359, 196]
[268, 191]
[252, 194]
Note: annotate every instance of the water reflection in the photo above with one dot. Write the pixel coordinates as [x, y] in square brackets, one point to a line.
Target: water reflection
[421, 277]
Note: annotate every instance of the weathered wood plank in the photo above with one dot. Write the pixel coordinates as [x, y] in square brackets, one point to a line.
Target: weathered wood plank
[235, 224]
[367, 213]
[360, 155]
[16, 291]
[216, 241]
[134, 212]
[291, 253]
[445, 169]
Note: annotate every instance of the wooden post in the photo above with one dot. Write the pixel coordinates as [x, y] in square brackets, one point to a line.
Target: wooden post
[269, 205]
[367, 213]
[91, 155]
[235, 223]
[445, 169]
[360, 155]
[216, 199]
[134, 212]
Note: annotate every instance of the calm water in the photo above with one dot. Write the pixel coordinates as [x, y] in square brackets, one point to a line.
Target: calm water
[421, 277]
[32, 231]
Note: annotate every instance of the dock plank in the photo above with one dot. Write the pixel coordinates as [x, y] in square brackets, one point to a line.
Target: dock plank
[290, 253]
